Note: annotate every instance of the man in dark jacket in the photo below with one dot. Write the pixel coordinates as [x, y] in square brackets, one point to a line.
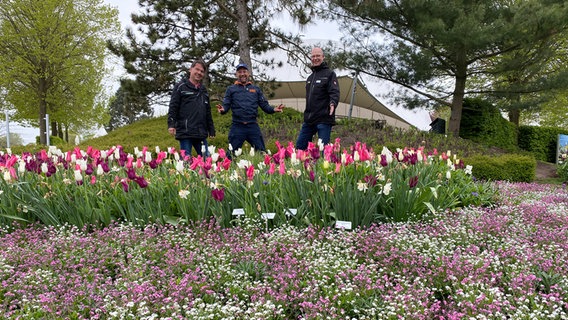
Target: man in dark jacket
[189, 114]
[244, 98]
[322, 98]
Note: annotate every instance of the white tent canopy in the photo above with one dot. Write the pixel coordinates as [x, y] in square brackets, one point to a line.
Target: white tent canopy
[361, 104]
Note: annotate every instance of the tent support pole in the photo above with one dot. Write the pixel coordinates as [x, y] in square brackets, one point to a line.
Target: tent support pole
[353, 89]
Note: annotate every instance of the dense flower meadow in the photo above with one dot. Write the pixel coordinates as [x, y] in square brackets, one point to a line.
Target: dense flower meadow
[506, 261]
[321, 186]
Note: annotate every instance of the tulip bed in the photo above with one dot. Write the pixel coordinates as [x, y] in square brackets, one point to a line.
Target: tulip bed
[322, 186]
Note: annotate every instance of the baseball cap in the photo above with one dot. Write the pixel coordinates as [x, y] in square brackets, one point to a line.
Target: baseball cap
[242, 65]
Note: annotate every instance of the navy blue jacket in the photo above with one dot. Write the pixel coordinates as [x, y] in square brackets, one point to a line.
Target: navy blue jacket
[322, 89]
[244, 100]
[190, 111]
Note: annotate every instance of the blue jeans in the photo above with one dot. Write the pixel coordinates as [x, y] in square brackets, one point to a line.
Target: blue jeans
[250, 132]
[308, 131]
[187, 144]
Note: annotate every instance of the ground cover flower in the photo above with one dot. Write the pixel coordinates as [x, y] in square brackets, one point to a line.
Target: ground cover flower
[506, 261]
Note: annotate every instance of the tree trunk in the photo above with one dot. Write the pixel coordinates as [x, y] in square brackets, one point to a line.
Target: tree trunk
[53, 128]
[244, 38]
[60, 130]
[459, 93]
[42, 88]
[515, 116]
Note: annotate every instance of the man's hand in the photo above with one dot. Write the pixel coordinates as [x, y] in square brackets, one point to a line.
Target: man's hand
[331, 108]
[172, 131]
[220, 108]
[279, 108]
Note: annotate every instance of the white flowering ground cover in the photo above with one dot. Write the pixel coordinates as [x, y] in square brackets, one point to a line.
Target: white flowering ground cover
[504, 262]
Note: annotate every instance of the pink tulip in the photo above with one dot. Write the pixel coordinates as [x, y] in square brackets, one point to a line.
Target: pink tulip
[43, 155]
[272, 168]
[78, 153]
[129, 161]
[282, 168]
[161, 156]
[250, 172]
[226, 163]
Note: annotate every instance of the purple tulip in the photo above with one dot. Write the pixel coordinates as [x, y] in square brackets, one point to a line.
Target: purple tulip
[218, 194]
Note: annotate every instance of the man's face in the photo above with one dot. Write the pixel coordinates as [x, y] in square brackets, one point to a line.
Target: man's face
[242, 75]
[317, 57]
[196, 73]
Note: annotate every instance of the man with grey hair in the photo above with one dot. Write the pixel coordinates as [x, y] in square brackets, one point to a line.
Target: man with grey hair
[322, 98]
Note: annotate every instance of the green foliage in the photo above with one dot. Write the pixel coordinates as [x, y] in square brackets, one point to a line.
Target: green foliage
[540, 141]
[166, 42]
[510, 167]
[125, 108]
[553, 113]
[52, 60]
[425, 43]
[482, 123]
[15, 140]
[562, 170]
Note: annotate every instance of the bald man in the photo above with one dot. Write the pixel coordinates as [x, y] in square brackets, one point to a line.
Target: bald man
[322, 98]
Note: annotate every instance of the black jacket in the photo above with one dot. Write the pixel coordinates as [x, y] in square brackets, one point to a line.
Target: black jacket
[190, 111]
[322, 89]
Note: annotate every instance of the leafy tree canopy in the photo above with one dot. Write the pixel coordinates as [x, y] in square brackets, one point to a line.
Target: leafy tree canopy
[125, 108]
[434, 50]
[52, 60]
[172, 34]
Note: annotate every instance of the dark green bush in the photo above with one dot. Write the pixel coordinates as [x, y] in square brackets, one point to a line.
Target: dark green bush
[540, 141]
[482, 122]
[510, 167]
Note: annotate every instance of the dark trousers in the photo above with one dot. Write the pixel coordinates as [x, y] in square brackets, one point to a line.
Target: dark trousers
[196, 143]
[249, 132]
[308, 131]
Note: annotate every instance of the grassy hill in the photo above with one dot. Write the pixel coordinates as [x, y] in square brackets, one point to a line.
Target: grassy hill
[283, 127]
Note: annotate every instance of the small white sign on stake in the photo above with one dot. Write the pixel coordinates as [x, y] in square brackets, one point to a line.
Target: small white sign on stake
[343, 225]
[238, 212]
[268, 215]
[291, 212]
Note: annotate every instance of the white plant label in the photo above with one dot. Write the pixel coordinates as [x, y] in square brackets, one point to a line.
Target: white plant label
[291, 212]
[268, 215]
[238, 212]
[343, 225]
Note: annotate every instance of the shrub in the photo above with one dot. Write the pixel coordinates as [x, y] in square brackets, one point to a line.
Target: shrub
[510, 167]
[482, 122]
[540, 141]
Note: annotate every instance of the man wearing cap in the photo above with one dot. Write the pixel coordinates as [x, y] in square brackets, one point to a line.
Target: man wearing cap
[244, 98]
[322, 98]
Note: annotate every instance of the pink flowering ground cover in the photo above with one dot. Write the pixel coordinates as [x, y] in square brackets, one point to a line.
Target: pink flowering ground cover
[501, 262]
